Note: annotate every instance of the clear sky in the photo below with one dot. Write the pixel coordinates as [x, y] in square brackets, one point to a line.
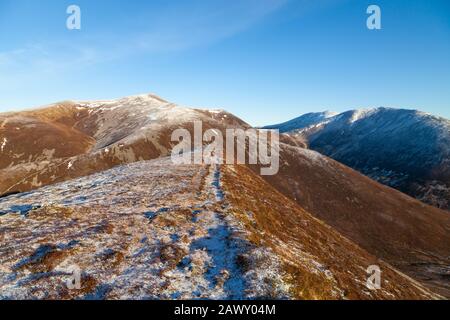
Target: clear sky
[266, 61]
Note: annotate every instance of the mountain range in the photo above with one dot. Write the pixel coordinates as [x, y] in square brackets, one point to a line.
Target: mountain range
[407, 150]
[90, 184]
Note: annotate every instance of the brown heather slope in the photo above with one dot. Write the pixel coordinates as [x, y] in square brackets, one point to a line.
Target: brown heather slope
[317, 262]
[72, 139]
[412, 236]
[153, 230]
[41, 135]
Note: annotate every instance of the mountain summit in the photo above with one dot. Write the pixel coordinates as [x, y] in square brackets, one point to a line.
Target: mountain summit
[74, 138]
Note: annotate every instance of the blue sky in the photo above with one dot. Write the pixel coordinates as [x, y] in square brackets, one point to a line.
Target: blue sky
[266, 61]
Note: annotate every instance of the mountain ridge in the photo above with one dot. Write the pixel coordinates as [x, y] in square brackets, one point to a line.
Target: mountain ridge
[405, 149]
[169, 231]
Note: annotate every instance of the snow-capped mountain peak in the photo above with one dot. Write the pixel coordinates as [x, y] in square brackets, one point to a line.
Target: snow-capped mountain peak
[303, 121]
[405, 149]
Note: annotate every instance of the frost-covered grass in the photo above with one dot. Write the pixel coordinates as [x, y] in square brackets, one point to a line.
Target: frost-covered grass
[149, 230]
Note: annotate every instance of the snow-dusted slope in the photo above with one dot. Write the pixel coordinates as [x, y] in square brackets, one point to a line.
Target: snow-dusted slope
[405, 149]
[152, 230]
[128, 119]
[76, 138]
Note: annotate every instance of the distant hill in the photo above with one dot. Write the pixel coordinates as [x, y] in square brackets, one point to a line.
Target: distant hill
[405, 149]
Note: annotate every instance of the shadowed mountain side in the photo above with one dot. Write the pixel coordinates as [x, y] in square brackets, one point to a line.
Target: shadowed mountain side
[404, 149]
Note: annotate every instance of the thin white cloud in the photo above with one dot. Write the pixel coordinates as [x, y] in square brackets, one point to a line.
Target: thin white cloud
[37, 68]
[173, 28]
[36, 62]
[199, 23]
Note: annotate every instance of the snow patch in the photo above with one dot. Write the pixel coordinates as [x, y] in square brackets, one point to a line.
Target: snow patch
[361, 114]
[2, 146]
